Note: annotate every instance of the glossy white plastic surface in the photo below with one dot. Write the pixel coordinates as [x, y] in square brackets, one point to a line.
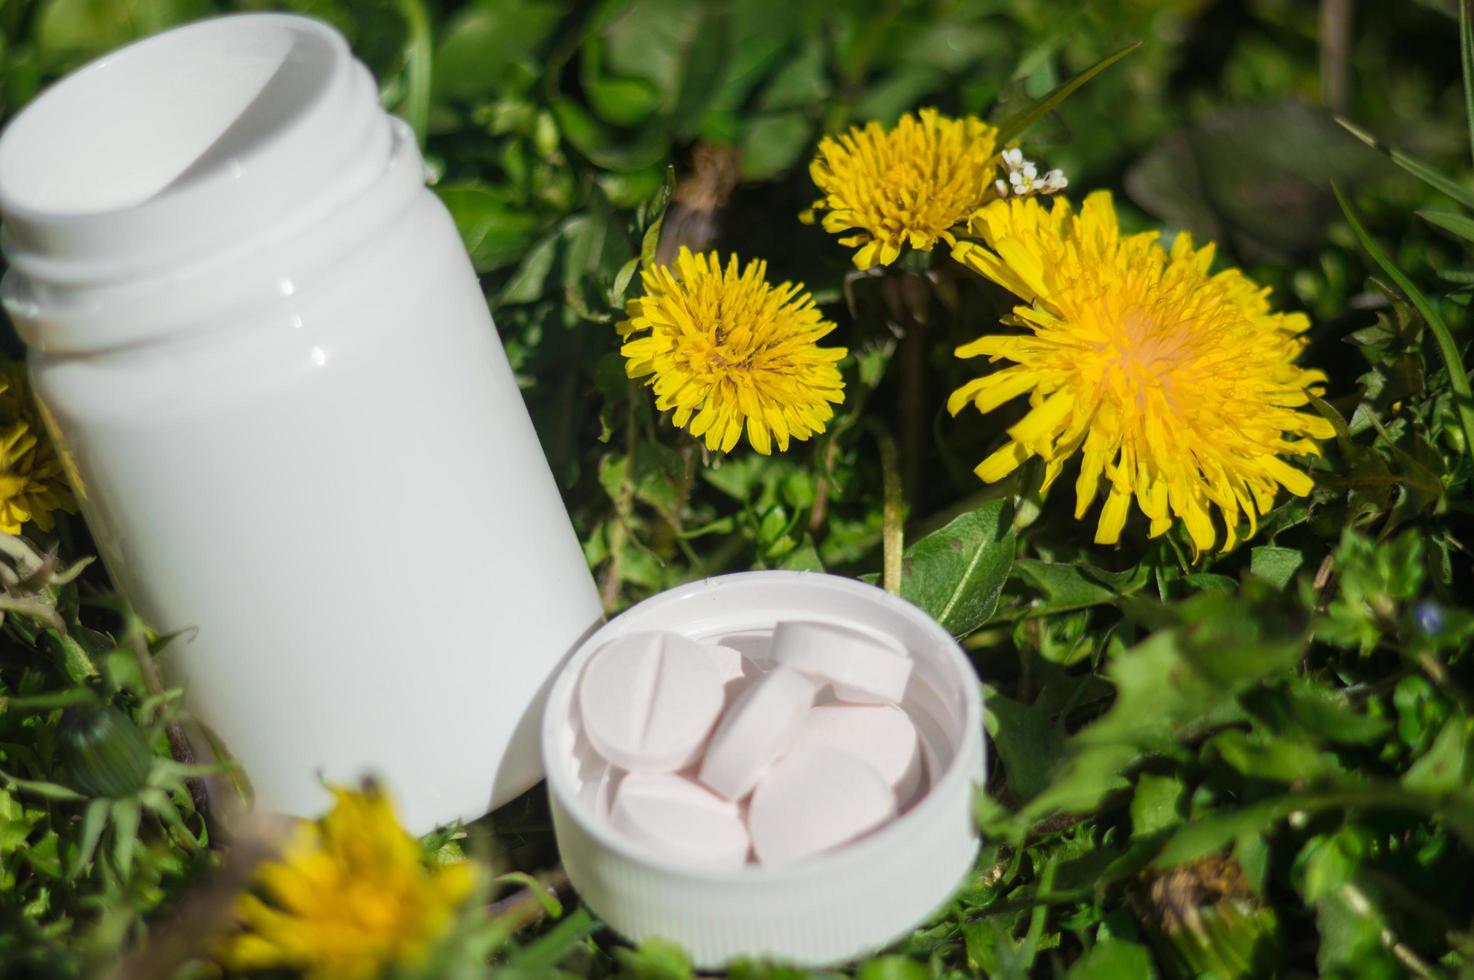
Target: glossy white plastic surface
[831, 907]
[296, 434]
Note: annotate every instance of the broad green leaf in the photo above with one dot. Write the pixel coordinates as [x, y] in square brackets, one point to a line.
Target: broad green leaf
[527, 282]
[1277, 566]
[1327, 862]
[1157, 804]
[1114, 959]
[1352, 941]
[1016, 124]
[492, 47]
[956, 574]
[804, 558]
[1028, 738]
[82, 28]
[1208, 834]
[773, 143]
[1308, 708]
[1077, 585]
[496, 231]
[1448, 764]
[1265, 757]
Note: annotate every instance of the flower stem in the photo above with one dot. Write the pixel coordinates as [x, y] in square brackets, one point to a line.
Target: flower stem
[418, 63]
[893, 535]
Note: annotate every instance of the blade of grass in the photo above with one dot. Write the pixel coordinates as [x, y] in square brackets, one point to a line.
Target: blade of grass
[1458, 377]
[1451, 222]
[1466, 56]
[1413, 166]
[1017, 123]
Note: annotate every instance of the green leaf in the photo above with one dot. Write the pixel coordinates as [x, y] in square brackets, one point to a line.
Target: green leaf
[1157, 804]
[655, 959]
[126, 816]
[1114, 959]
[1077, 585]
[1016, 124]
[1028, 739]
[956, 574]
[1452, 222]
[1277, 566]
[1208, 834]
[1458, 378]
[492, 47]
[772, 143]
[495, 231]
[1448, 764]
[1266, 757]
[93, 822]
[1412, 165]
[1351, 938]
[1466, 61]
[527, 283]
[543, 955]
[548, 900]
[81, 28]
[893, 968]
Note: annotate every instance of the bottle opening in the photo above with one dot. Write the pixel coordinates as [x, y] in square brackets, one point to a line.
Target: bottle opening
[162, 114]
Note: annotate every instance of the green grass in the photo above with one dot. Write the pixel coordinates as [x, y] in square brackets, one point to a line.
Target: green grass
[1259, 763]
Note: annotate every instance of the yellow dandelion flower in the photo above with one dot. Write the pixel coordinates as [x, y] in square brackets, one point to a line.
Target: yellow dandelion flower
[1179, 386]
[909, 186]
[350, 897]
[33, 485]
[726, 349]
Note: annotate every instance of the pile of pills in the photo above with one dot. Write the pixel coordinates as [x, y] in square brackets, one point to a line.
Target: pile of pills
[713, 759]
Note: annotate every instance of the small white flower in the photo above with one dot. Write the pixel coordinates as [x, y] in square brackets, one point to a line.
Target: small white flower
[1024, 179]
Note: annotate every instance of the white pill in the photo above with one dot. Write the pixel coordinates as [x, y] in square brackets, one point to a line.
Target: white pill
[862, 668]
[814, 799]
[681, 819]
[879, 734]
[759, 727]
[649, 700]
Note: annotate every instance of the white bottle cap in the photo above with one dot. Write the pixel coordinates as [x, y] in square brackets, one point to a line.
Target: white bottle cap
[830, 907]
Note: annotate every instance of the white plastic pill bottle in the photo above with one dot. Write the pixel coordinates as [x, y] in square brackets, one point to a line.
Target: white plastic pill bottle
[293, 429]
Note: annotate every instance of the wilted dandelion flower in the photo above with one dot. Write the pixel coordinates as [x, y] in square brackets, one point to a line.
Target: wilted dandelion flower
[726, 349]
[350, 897]
[32, 483]
[884, 190]
[1177, 385]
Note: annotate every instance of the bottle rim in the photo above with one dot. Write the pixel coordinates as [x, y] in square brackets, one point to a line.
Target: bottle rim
[184, 146]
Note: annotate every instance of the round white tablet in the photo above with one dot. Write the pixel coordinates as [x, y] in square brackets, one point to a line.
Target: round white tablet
[649, 700]
[760, 726]
[815, 799]
[680, 819]
[862, 668]
[879, 734]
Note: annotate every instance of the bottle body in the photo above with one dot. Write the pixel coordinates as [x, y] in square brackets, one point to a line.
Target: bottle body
[331, 489]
